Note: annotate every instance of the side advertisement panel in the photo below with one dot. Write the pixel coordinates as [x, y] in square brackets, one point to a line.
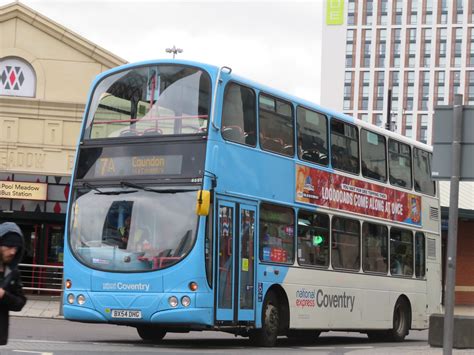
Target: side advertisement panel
[322, 188]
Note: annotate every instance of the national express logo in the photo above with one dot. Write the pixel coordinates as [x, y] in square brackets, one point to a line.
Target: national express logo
[312, 298]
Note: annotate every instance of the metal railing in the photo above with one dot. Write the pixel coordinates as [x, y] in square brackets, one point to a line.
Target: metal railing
[42, 279]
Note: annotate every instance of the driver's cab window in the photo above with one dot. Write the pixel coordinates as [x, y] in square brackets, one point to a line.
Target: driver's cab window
[118, 224]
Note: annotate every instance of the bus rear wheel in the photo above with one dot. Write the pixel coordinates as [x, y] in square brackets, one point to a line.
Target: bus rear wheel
[151, 333]
[268, 334]
[400, 328]
[401, 321]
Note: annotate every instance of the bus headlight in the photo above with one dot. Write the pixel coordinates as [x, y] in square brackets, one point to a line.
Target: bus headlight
[185, 301]
[70, 298]
[173, 301]
[81, 299]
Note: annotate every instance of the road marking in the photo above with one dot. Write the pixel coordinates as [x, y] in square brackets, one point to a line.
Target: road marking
[358, 347]
[32, 352]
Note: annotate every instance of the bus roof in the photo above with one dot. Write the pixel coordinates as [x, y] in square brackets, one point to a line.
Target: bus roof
[213, 71]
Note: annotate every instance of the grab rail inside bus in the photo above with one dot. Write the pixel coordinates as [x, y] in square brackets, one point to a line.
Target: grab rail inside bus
[214, 96]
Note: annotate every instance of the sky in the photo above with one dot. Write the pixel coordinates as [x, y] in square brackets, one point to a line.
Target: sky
[275, 43]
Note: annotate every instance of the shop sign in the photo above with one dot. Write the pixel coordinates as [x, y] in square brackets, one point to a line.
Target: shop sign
[23, 190]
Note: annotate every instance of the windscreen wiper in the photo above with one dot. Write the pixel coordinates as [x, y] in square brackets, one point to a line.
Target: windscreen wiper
[100, 192]
[161, 191]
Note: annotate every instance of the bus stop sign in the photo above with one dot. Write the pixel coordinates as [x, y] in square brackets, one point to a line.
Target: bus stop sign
[443, 139]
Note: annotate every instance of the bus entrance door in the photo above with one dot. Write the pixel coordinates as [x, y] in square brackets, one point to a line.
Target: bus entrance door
[235, 291]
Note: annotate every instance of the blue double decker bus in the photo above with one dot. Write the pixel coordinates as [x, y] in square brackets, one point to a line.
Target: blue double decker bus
[203, 201]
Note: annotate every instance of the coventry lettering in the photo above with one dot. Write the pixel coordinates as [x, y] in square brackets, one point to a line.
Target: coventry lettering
[335, 301]
[124, 286]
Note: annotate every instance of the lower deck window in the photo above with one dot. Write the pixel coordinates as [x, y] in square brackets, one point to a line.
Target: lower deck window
[276, 234]
[401, 252]
[345, 243]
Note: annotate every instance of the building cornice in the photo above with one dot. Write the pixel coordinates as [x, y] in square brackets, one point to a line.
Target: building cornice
[61, 33]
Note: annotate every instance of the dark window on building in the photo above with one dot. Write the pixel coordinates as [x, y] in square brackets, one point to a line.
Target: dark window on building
[401, 252]
[239, 123]
[313, 239]
[312, 136]
[345, 250]
[276, 125]
[399, 160]
[277, 225]
[373, 156]
[344, 147]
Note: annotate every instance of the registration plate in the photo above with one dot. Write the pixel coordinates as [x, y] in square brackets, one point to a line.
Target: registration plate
[125, 313]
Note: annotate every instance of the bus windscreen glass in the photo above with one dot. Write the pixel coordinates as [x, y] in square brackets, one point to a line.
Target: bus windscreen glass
[150, 101]
[132, 229]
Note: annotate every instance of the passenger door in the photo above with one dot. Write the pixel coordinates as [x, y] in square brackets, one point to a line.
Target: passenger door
[235, 281]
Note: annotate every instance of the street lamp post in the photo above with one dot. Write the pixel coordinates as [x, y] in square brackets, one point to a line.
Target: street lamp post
[174, 50]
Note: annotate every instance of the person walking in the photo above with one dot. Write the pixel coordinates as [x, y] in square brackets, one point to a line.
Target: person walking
[11, 292]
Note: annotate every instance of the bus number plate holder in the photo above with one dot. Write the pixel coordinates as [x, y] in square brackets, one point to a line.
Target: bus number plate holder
[126, 313]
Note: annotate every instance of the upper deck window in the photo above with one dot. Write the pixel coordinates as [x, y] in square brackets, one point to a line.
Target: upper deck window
[276, 125]
[374, 162]
[344, 147]
[239, 123]
[150, 100]
[399, 158]
[312, 136]
[422, 172]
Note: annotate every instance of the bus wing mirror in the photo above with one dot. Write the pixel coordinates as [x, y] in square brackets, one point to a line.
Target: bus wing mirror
[203, 202]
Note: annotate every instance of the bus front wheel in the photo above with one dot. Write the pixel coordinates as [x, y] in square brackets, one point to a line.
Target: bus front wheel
[151, 333]
[267, 335]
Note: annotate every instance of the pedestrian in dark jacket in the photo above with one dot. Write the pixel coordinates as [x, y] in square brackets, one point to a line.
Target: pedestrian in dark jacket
[11, 292]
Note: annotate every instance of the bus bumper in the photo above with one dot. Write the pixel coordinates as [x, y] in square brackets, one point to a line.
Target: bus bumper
[183, 316]
[82, 314]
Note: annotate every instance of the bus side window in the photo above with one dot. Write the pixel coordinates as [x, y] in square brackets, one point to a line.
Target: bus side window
[374, 248]
[239, 122]
[344, 147]
[420, 255]
[313, 239]
[422, 172]
[373, 156]
[345, 243]
[399, 159]
[276, 235]
[312, 136]
[276, 125]
[401, 252]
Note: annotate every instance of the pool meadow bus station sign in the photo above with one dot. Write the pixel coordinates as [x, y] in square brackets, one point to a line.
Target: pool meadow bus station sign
[23, 190]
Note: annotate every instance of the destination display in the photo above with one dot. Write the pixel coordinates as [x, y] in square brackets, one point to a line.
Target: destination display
[183, 160]
[318, 187]
[139, 165]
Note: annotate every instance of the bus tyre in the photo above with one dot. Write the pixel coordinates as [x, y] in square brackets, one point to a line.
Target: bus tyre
[267, 335]
[151, 333]
[401, 321]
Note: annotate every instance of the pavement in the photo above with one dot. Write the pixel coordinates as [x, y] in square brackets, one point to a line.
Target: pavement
[41, 307]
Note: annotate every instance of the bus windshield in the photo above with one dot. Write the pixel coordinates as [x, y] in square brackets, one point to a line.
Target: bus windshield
[132, 228]
[150, 100]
